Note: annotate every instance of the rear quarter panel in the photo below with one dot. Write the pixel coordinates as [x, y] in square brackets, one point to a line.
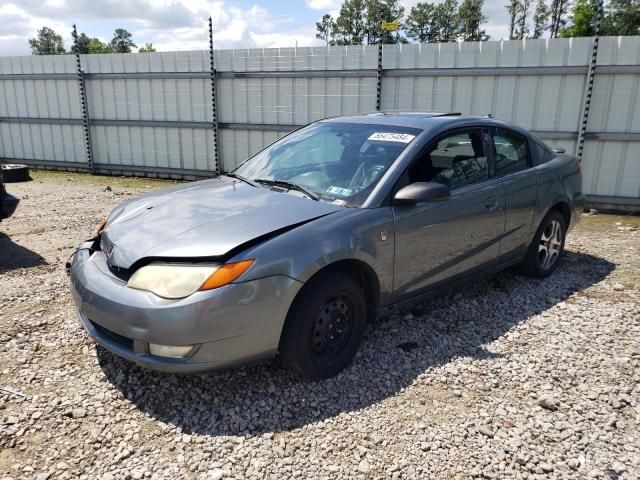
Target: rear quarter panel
[559, 180]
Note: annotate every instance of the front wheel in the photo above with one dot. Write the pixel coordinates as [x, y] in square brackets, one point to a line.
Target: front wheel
[325, 326]
[547, 246]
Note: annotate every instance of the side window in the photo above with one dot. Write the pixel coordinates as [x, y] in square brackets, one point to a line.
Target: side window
[457, 160]
[512, 154]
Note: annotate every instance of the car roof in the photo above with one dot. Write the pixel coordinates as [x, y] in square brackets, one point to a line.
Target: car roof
[429, 121]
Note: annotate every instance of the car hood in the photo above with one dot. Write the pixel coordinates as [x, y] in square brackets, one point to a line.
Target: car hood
[201, 219]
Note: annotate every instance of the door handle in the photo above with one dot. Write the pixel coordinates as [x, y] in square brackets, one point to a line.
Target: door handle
[492, 204]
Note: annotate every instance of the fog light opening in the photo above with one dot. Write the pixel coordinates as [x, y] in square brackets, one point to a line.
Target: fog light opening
[170, 351]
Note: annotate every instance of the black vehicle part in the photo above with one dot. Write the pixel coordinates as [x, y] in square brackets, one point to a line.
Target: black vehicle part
[13, 173]
[325, 326]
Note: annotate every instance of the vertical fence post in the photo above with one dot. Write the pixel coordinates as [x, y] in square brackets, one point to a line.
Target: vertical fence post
[590, 78]
[379, 72]
[214, 107]
[84, 108]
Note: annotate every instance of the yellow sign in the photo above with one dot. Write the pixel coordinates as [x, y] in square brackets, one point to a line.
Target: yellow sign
[390, 26]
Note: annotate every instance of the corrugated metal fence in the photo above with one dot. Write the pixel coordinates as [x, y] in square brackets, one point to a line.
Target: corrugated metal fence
[151, 113]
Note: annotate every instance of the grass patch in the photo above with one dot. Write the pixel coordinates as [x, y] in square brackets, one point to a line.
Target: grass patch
[603, 222]
[126, 182]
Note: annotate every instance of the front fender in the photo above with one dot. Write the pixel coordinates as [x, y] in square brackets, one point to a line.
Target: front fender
[360, 234]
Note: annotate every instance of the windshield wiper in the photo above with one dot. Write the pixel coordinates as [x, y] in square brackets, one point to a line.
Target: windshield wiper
[242, 179]
[289, 185]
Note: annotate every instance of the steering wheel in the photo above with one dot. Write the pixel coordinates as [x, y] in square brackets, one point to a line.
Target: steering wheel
[367, 172]
[315, 180]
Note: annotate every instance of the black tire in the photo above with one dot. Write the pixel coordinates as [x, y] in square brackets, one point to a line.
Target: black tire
[13, 173]
[324, 327]
[537, 262]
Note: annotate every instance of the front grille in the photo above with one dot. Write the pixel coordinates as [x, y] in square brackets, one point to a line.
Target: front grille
[116, 337]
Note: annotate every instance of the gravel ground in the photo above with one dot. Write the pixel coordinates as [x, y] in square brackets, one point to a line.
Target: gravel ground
[510, 377]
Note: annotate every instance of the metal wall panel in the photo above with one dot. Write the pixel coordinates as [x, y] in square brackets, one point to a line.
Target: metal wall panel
[539, 84]
[150, 99]
[40, 98]
[612, 168]
[176, 148]
[536, 102]
[288, 101]
[58, 143]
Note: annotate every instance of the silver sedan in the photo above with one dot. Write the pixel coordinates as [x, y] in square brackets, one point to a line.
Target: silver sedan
[296, 249]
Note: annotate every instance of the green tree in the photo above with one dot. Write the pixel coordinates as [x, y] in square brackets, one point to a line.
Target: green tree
[48, 42]
[559, 10]
[522, 29]
[326, 29]
[98, 46]
[81, 45]
[445, 21]
[583, 19]
[377, 10]
[419, 24]
[148, 47]
[540, 17]
[623, 17]
[470, 18]
[514, 8]
[121, 42]
[351, 23]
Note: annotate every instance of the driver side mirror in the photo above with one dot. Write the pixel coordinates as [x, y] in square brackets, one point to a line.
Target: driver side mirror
[421, 192]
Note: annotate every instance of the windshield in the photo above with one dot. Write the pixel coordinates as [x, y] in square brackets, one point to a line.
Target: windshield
[335, 162]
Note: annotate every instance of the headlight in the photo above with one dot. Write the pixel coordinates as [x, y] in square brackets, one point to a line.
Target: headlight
[179, 281]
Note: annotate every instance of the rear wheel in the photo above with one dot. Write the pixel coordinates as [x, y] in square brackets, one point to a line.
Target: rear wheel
[325, 326]
[547, 246]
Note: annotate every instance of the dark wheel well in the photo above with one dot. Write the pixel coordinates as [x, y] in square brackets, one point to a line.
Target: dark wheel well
[364, 275]
[564, 210]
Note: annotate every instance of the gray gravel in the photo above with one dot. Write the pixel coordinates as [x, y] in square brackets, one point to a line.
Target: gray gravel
[509, 377]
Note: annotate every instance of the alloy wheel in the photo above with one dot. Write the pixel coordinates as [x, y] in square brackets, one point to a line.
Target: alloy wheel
[550, 245]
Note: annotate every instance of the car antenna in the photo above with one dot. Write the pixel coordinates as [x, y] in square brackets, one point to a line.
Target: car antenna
[489, 115]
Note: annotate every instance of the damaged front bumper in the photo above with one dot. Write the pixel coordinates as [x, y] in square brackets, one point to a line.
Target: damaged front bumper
[231, 325]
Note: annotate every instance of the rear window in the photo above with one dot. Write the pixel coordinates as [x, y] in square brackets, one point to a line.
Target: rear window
[542, 152]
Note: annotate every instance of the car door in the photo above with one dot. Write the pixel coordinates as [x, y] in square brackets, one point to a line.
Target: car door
[439, 241]
[513, 166]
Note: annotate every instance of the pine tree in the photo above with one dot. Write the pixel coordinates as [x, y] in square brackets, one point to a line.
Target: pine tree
[350, 24]
[559, 10]
[540, 17]
[326, 29]
[522, 29]
[419, 24]
[513, 9]
[471, 18]
[48, 42]
[446, 24]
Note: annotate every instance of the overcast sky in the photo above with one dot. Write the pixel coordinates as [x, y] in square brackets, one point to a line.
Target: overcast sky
[182, 24]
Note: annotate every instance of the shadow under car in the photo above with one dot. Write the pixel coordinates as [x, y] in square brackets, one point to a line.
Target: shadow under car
[394, 352]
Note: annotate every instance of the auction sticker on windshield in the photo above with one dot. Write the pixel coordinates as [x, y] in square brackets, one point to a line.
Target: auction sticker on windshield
[344, 192]
[391, 137]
